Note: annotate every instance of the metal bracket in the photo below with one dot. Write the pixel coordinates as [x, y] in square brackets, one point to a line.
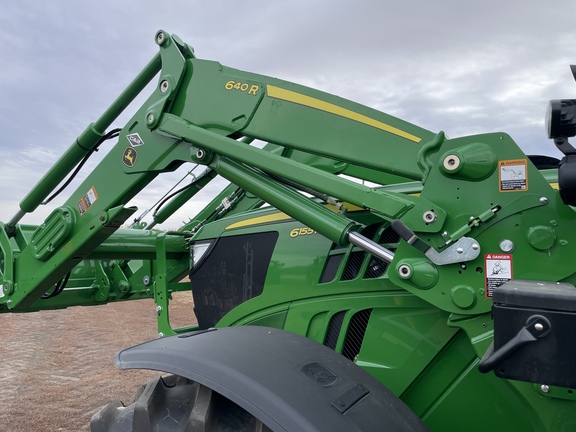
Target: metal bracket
[7, 255]
[102, 283]
[465, 249]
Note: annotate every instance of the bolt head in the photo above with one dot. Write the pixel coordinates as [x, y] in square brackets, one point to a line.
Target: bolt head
[451, 162]
[160, 38]
[158, 309]
[429, 217]
[150, 118]
[404, 271]
[544, 388]
[506, 246]
[538, 327]
[543, 200]
[164, 86]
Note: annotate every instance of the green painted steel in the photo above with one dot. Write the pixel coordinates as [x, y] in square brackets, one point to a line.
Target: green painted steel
[419, 324]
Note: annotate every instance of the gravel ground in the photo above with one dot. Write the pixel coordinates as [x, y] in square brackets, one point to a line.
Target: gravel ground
[58, 366]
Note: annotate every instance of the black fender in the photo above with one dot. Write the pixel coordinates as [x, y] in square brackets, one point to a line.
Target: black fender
[289, 382]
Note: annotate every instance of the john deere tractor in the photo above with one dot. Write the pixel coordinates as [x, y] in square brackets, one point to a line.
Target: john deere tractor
[357, 273]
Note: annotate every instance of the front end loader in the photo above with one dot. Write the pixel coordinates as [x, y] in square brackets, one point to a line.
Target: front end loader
[358, 273]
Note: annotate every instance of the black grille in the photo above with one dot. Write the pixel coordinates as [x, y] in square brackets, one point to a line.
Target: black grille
[370, 231]
[353, 265]
[334, 330]
[355, 334]
[376, 268]
[331, 268]
[389, 236]
[233, 272]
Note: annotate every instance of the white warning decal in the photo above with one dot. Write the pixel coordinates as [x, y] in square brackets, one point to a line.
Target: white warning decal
[513, 175]
[87, 200]
[135, 140]
[498, 270]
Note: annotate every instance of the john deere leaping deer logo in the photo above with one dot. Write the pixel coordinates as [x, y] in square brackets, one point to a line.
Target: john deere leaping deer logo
[129, 157]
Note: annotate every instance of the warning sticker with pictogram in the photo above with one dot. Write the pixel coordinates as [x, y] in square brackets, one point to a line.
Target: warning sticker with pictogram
[87, 200]
[498, 270]
[513, 175]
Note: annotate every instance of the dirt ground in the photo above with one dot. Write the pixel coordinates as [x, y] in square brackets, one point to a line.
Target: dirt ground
[58, 366]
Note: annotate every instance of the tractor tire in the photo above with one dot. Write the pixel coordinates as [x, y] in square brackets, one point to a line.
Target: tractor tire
[175, 404]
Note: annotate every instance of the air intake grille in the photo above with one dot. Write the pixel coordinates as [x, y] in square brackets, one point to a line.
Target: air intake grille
[331, 268]
[334, 330]
[376, 268]
[355, 334]
[389, 236]
[353, 265]
[370, 231]
[233, 272]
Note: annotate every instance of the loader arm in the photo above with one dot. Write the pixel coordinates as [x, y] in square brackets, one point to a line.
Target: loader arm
[215, 104]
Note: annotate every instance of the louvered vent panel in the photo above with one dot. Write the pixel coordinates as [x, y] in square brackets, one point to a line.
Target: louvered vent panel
[370, 231]
[389, 236]
[355, 334]
[376, 268]
[331, 268]
[334, 330]
[353, 265]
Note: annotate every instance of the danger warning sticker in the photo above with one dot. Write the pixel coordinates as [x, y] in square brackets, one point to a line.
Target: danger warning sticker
[498, 270]
[513, 175]
[87, 200]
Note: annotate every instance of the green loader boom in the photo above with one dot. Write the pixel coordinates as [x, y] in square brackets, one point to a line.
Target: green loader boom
[441, 267]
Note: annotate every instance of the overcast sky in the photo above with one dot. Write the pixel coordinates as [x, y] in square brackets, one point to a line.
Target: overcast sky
[453, 65]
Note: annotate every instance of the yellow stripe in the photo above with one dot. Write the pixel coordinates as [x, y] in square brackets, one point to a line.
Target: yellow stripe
[349, 207]
[275, 217]
[299, 98]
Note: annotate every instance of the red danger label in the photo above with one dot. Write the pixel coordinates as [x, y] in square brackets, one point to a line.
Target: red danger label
[498, 270]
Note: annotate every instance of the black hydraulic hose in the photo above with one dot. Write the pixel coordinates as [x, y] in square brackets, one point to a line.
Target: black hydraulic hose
[112, 134]
[167, 197]
[303, 188]
[58, 288]
[218, 210]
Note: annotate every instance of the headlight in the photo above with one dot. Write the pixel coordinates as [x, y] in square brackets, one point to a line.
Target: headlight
[561, 118]
[198, 251]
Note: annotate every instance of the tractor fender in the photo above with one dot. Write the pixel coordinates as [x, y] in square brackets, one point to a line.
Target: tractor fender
[289, 382]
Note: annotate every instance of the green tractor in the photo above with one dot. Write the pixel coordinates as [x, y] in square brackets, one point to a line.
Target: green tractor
[358, 273]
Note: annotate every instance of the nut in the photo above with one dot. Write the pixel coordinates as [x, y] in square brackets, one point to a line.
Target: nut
[451, 162]
[429, 216]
